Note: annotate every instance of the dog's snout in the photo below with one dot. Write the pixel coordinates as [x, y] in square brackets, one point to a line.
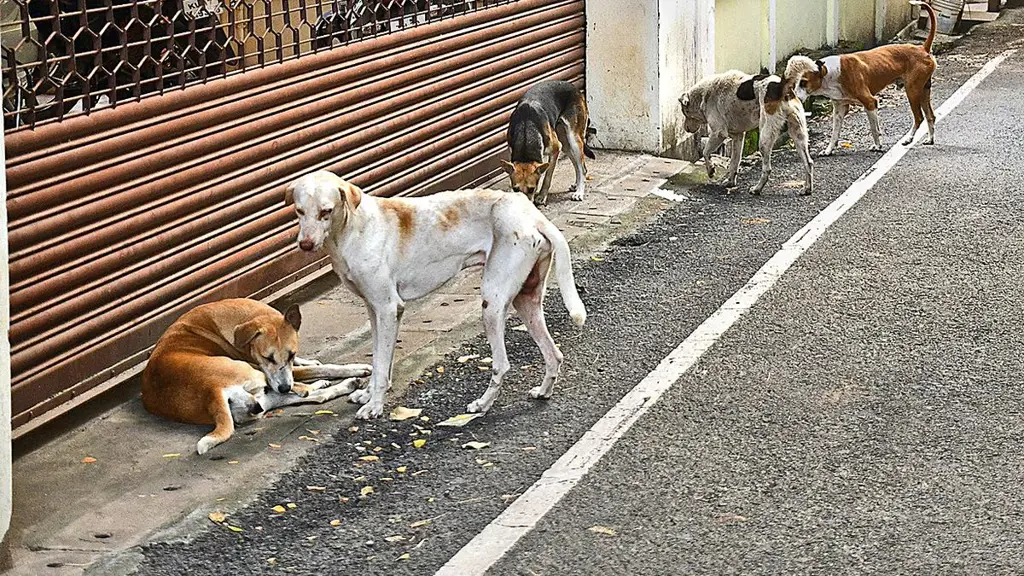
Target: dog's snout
[284, 388]
[306, 245]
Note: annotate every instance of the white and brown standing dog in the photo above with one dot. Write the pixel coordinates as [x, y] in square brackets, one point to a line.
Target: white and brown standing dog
[856, 78]
[732, 103]
[389, 251]
[228, 362]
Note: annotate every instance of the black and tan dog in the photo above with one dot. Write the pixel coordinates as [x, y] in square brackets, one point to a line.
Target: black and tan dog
[550, 115]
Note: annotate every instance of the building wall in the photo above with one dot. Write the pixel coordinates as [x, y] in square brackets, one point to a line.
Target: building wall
[5, 370]
[683, 25]
[897, 15]
[800, 24]
[857, 22]
[739, 31]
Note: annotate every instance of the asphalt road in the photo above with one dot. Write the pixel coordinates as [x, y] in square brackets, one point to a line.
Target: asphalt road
[864, 417]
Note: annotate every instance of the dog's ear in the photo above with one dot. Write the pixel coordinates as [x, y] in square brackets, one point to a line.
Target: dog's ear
[684, 100]
[289, 194]
[246, 333]
[764, 71]
[822, 69]
[353, 195]
[293, 317]
[745, 91]
[508, 167]
[542, 167]
[773, 91]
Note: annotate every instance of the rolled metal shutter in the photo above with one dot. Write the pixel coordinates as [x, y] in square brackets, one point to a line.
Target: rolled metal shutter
[123, 219]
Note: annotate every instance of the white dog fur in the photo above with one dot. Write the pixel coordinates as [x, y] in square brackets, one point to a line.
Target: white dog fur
[390, 251]
[732, 103]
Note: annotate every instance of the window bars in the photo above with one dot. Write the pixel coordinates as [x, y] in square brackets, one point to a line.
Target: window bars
[66, 57]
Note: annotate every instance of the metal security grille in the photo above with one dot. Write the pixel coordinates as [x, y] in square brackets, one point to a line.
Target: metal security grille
[66, 57]
[123, 218]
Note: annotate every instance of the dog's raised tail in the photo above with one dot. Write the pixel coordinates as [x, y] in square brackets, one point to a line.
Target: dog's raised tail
[798, 66]
[563, 272]
[931, 23]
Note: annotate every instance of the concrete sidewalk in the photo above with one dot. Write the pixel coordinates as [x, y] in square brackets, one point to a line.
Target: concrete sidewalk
[147, 484]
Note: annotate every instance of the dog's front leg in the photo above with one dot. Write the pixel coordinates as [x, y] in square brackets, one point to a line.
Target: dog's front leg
[839, 111]
[735, 158]
[385, 334]
[715, 140]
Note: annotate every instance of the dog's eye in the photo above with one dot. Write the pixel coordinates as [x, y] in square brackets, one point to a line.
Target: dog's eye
[269, 359]
[291, 357]
[325, 214]
[300, 212]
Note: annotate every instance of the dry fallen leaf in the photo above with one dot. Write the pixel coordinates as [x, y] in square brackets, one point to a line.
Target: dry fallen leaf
[476, 445]
[308, 438]
[88, 460]
[370, 458]
[403, 413]
[366, 491]
[279, 509]
[401, 469]
[404, 556]
[420, 523]
[272, 445]
[419, 443]
[218, 517]
[529, 448]
[172, 455]
[467, 358]
[316, 488]
[440, 369]
[234, 528]
[417, 473]
[323, 413]
[335, 522]
[603, 530]
[395, 539]
[792, 184]
[292, 505]
[232, 461]
[460, 420]
[487, 360]
[271, 561]
[753, 221]
[353, 429]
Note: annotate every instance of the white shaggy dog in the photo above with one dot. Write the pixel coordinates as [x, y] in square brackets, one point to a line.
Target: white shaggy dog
[389, 251]
[733, 102]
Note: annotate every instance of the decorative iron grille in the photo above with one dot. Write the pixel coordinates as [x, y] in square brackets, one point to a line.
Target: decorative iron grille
[67, 57]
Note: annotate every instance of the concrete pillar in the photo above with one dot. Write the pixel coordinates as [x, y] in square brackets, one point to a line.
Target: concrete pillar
[6, 484]
[641, 55]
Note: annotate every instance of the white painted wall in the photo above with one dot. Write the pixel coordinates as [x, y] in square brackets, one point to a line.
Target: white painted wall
[641, 55]
[5, 361]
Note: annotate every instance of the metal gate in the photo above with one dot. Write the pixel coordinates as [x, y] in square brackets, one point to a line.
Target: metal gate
[136, 192]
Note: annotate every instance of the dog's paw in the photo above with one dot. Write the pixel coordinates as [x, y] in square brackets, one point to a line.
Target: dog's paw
[305, 362]
[755, 191]
[370, 411]
[358, 370]
[876, 148]
[826, 152]
[205, 444]
[477, 405]
[361, 396]
[538, 392]
[577, 196]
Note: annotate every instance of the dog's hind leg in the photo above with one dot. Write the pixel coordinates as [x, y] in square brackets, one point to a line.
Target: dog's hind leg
[575, 144]
[798, 133]
[929, 114]
[224, 423]
[529, 304]
[767, 136]
[839, 112]
[541, 198]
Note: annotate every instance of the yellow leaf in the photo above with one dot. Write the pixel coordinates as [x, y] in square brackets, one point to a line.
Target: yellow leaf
[343, 499]
[404, 556]
[271, 561]
[234, 528]
[402, 413]
[218, 517]
[603, 530]
[316, 488]
[335, 522]
[419, 443]
[476, 445]
[172, 455]
[597, 259]
[440, 369]
[460, 420]
[353, 429]
[401, 469]
[291, 506]
[467, 358]
[366, 491]
[755, 220]
[419, 472]
[529, 448]
[272, 445]
[420, 523]
[88, 460]
[232, 461]
[486, 360]
[313, 432]
[370, 458]
[396, 538]
[386, 479]
[323, 413]
[309, 438]
[279, 509]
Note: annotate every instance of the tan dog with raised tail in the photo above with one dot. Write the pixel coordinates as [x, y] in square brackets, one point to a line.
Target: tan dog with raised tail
[228, 362]
[856, 78]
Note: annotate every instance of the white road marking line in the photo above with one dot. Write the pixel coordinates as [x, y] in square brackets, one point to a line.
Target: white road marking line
[476, 557]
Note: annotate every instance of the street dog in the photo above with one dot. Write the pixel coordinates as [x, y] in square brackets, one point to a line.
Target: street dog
[550, 115]
[856, 78]
[732, 103]
[389, 251]
[228, 362]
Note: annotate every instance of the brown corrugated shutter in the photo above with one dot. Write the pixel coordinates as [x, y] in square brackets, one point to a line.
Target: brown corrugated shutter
[123, 219]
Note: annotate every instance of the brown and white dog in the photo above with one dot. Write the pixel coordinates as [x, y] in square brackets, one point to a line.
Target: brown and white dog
[856, 78]
[550, 115]
[232, 360]
[389, 251]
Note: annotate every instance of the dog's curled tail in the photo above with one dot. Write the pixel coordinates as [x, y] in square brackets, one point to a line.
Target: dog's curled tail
[563, 272]
[931, 23]
[798, 66]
